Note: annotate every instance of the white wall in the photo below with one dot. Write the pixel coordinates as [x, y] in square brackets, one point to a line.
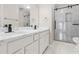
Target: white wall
[46, 18]
[0, 13]
[44, 15]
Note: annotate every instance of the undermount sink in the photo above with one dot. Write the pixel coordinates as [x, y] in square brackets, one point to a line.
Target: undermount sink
[15, 33]
[8, 33]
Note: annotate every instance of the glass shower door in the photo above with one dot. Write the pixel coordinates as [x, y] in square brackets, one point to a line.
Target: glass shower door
[60, 25]
[63, 25]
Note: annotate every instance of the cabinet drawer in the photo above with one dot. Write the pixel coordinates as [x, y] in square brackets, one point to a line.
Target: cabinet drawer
[29, 49]
[43, 34]
[36, 36]
[17, 44]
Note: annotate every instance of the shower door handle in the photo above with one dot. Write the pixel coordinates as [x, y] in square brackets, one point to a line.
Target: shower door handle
[55, 25]
[75, 24]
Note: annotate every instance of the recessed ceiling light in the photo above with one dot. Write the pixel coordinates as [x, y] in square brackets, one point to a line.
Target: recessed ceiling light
[28, 7]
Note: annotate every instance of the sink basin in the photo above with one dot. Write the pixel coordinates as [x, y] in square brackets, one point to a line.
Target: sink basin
[15, 33]
[9, 34]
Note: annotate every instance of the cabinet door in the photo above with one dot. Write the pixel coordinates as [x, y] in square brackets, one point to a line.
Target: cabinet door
[21, 51]
[36, 47]
[14, 46]
[44, 41]
[19, 43]
[46, 38]
[42, 44]
[3, 48]
[29, 49]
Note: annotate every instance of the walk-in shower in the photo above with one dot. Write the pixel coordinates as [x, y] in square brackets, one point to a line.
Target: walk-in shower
[67, 23]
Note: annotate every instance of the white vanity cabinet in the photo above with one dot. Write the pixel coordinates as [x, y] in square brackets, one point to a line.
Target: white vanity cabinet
[33, 43]
[33, 48]
[19, 43]
[44, 40]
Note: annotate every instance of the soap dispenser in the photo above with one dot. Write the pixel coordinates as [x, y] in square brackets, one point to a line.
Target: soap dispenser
[10, 28]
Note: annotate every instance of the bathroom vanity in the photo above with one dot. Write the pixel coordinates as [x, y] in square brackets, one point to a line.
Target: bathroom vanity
[24, 42]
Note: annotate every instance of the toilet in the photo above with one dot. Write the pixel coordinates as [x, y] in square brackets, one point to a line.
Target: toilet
[76, 46]
[76, 40]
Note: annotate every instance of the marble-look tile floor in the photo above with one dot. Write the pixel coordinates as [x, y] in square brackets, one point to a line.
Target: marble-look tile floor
[58, 47]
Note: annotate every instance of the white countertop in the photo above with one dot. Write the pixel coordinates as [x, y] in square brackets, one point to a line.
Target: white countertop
[4, 36]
